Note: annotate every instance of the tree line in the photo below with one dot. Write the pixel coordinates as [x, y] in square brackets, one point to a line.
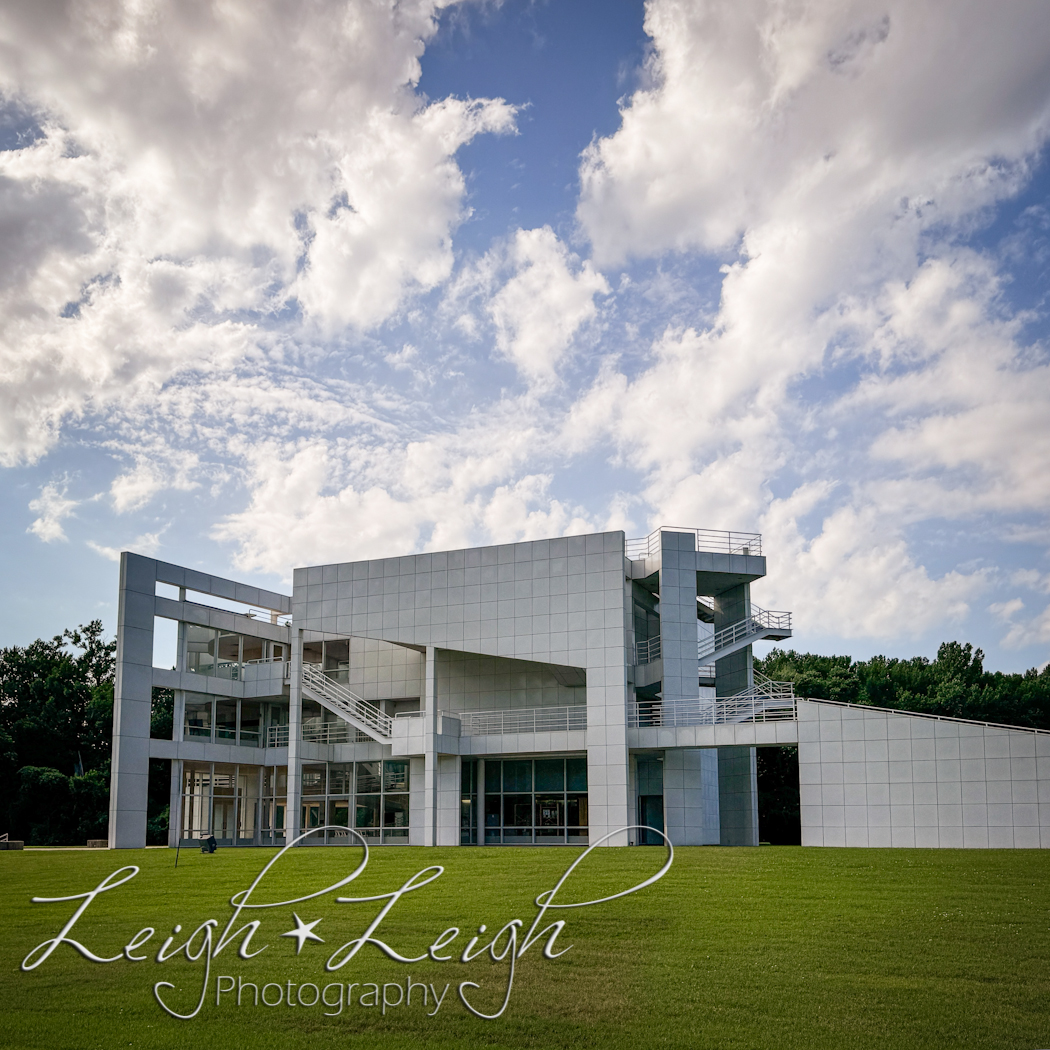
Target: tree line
[954, 684]
[56, 733]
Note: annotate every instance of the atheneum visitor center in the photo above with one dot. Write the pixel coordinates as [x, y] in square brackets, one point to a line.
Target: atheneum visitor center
[538, 693]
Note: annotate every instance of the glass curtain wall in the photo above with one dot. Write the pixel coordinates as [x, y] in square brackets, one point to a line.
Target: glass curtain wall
[222, 654]
[541, 801]
[228, 721]
[239, 805]
[369, 796]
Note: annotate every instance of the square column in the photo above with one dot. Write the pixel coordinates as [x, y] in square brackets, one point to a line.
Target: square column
[738, 796]
[292, 816]
[691, 797]
[132, 696]
[430, 756]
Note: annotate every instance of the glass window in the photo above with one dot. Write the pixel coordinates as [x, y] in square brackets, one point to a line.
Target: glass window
[224, 779]
[251, 718]
[313, 652]
[576, 807]
[395, 811]
[369, 780]
[395, 776]
[198, 719]
[550, 811]
[517, 776]
[314, 780]
[200, 649]
[226, 720]
[253, 649]
[367, 811]
[542, 800]
[340, 778]
[228, 664]
[339, 812]
[517, 811]
[550, 774]
[576, 774]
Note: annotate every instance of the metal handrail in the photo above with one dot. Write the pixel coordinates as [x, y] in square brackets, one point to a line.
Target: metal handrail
[333, 733]
[765, 701]
[648, 651]
[344, 700]
[732, 710]
[711, 541]
[760, 620]
[277, 736]
[526, 720]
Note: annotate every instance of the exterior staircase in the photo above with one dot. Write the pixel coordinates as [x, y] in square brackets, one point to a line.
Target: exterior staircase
[761, 624]
[335, 696]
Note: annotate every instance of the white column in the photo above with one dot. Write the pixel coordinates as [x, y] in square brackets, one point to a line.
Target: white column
[480, 814]
[175, 803]
[430, 758]
[132, 696]
[295, 721]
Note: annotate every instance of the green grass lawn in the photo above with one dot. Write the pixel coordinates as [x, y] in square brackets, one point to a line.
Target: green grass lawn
[775, 947]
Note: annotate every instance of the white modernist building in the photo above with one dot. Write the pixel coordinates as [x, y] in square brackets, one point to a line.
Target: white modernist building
[542, 693]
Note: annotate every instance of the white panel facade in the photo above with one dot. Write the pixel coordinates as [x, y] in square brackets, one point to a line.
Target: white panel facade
[879, 778]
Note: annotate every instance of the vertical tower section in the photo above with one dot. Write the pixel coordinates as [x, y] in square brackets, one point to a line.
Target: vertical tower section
[132, 694]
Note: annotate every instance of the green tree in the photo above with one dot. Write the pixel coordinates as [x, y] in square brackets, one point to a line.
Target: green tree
[954, 684]
[56, 716]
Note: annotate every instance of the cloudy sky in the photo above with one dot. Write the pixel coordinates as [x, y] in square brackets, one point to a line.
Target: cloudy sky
[284, 282]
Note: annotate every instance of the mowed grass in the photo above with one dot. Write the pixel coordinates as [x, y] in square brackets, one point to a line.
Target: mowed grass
[774, 947]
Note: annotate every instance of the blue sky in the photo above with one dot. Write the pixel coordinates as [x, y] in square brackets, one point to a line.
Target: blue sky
[284, 284]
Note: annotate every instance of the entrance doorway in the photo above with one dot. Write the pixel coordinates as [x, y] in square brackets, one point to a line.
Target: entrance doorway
[651, 815]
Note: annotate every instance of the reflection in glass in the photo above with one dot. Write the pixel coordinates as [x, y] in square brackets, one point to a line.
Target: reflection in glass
[313, 780]
[228, 663]
[200, 649]
[226, 720]
[368, 778]
[395, 811]
[367, 811]
[198, 719]
[340, 778]
[395, 776]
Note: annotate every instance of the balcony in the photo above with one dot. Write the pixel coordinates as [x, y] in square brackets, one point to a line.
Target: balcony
[709, 540]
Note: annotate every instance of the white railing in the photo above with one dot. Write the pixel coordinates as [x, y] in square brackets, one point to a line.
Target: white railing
[760, 621]
[648, 651]
[380, 724]
[276, 736]
[706, 670]
[710, 540]
[765, 701]
[528, 720]
[731, 710]
[334, 733]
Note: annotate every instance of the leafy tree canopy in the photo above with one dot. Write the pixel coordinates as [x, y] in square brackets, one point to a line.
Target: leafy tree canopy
[954, 684]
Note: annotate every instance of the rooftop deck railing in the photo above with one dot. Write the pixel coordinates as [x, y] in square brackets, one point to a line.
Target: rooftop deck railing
[709, 540]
